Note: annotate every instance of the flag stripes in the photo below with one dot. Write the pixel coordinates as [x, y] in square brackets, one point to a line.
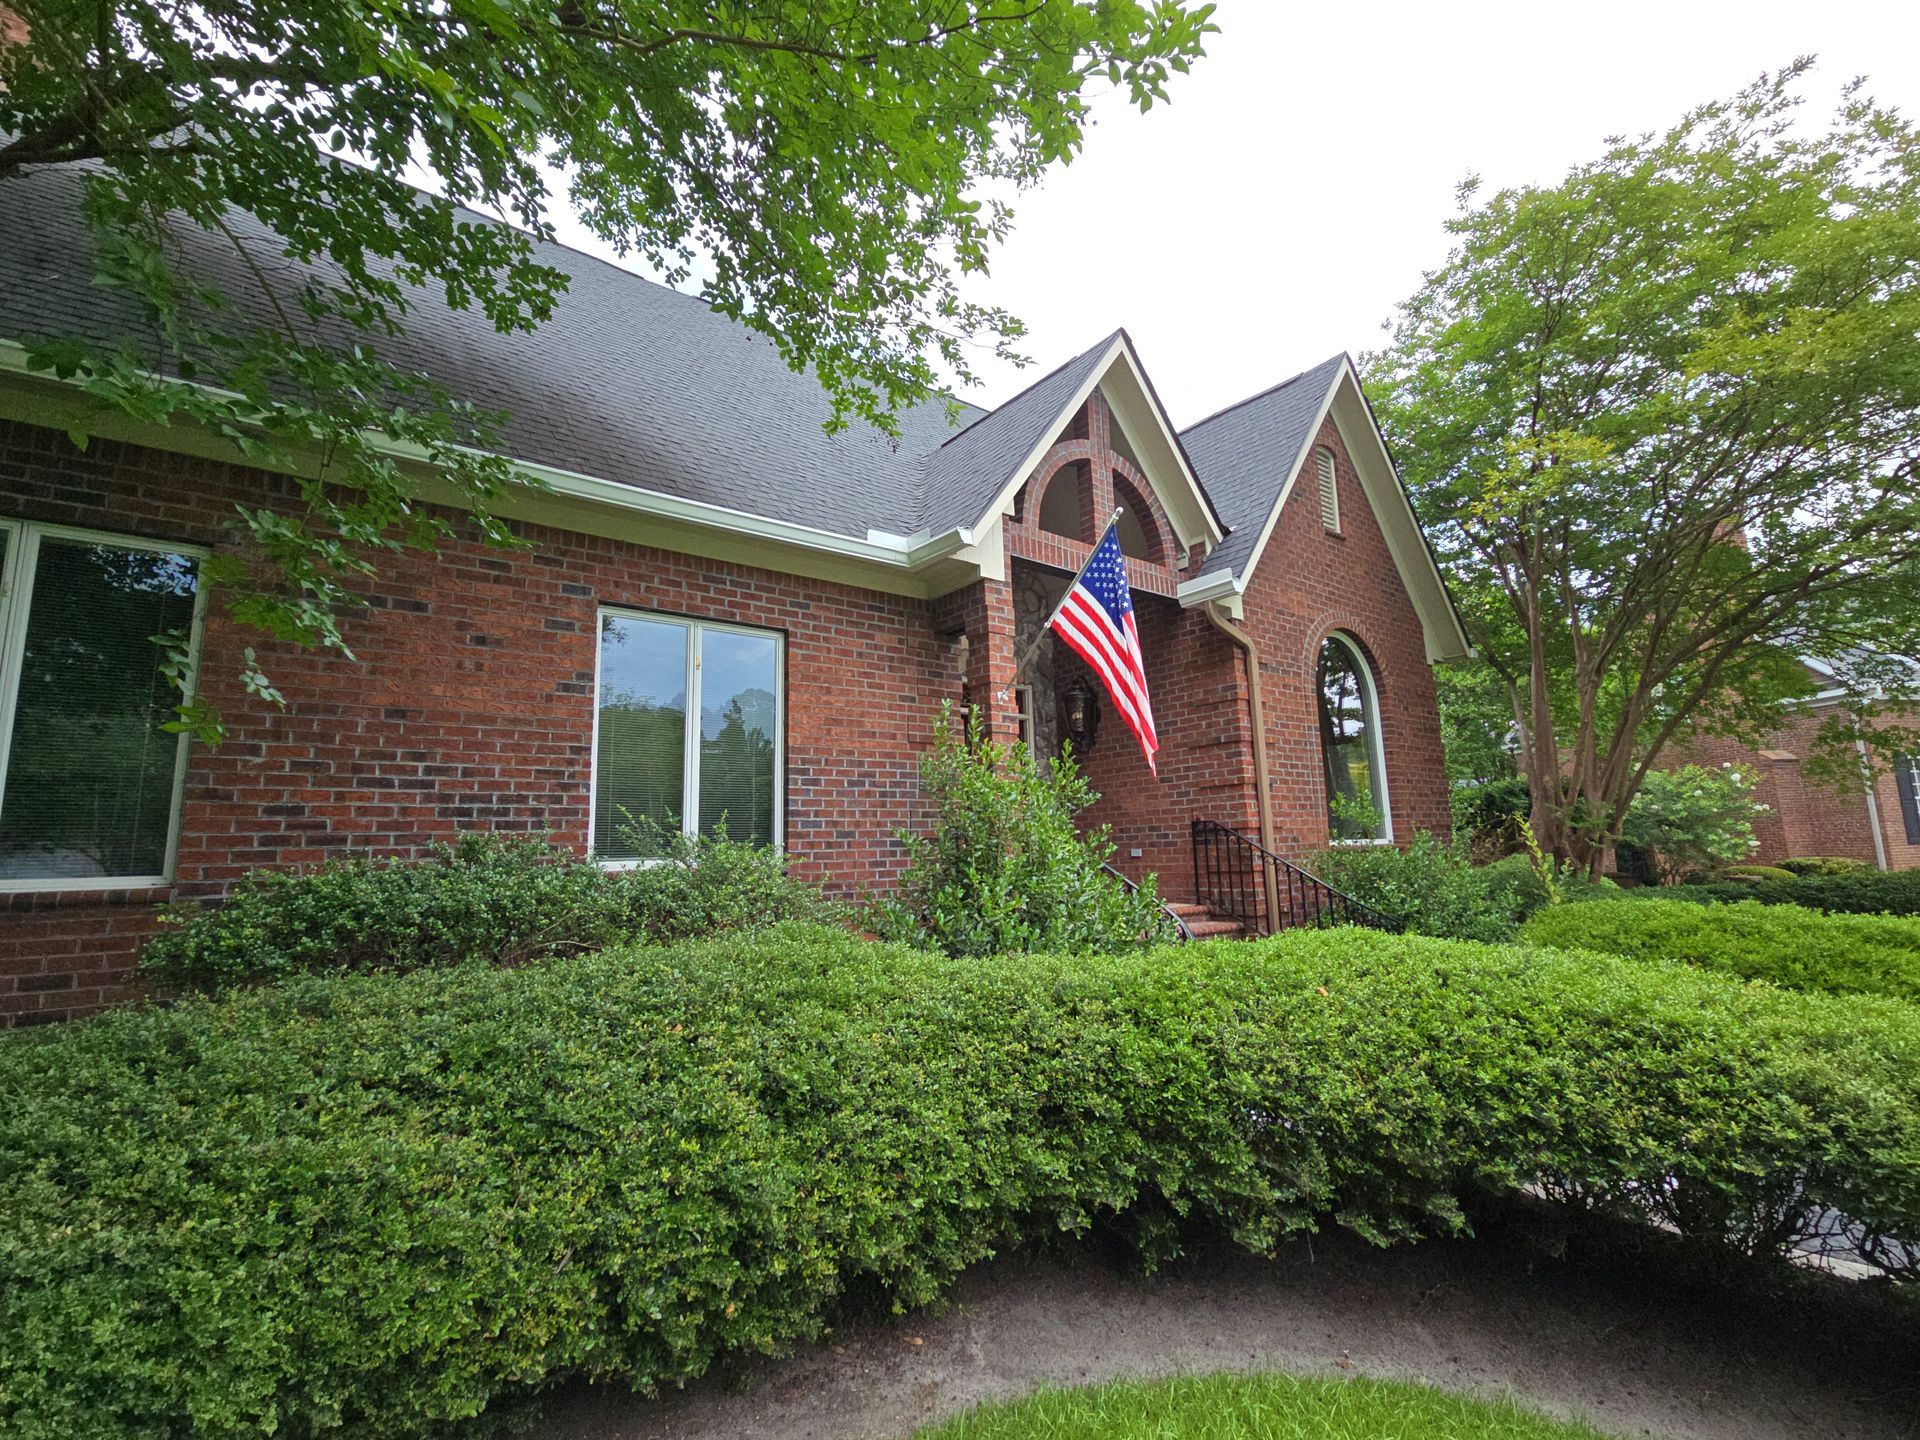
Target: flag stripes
[1096, 619]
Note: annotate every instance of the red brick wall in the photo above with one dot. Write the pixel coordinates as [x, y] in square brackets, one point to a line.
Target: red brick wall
[470, 703]
[1901, 854]
[1197, 679]
[1310, 582]
[1808, 816]
[1195, 675]
[470, 706]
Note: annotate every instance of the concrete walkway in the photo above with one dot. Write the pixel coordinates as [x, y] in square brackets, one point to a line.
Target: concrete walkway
[1639, 1353]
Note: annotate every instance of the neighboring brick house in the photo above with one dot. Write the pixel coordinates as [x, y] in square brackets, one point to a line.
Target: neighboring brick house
[719, 608]
[1878, 824]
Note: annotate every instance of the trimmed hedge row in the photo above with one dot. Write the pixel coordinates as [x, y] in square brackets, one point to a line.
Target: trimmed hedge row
[367, 1204]
[1800, 949]
[487, 898]
[1855, 892]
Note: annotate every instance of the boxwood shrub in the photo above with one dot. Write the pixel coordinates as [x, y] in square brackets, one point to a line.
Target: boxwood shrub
[1801, 949]
[1854, 892]
[370, 1204]
[1823, 865]
[487, 898]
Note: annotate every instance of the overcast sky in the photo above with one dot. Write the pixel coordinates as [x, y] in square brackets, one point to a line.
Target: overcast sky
[1297, 186]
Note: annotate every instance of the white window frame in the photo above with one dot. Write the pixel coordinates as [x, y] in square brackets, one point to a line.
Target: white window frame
[16, 599]
[1023, 703]
[1376, 743]
[1329, 490]
[690, 759]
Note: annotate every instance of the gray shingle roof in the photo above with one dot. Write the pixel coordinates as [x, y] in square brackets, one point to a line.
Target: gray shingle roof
[638, 384]
[629, 382]
[1243, 455]
[994, 446]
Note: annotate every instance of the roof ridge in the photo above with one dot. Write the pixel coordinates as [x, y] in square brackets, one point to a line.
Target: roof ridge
[1263, 394]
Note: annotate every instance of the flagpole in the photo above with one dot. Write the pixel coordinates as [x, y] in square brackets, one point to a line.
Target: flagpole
[1046, 630]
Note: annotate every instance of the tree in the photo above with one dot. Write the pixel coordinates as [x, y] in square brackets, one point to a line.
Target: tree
[822, 166]
[1663, 422]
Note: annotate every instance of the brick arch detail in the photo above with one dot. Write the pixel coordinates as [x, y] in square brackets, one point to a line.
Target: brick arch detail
[1063, 457]
[1160, 531]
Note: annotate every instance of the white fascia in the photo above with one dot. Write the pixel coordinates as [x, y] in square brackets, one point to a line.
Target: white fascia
[904, 552]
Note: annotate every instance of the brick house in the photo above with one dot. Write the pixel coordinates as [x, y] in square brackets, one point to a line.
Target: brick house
[719, 608]
[1877, 823]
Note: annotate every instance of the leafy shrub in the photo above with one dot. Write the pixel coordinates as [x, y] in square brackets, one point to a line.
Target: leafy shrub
[1748, 872]
[1823, 865]
[1854, 892]
[1005, 870]
[362, 1204]
[710, 885]
[495, 899]
[1801, 949]
[1430, 887]
[1519, 887]
[1489, 811]
[1695, 817]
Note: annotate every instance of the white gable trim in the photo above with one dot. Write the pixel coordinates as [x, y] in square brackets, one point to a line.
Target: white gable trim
[1293, 474]
[1130, 396]
[1346, 405]
[1439, 622]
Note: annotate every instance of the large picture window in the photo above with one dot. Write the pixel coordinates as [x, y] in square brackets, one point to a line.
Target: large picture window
[89, 779]
[1350, 745]
[688, 733]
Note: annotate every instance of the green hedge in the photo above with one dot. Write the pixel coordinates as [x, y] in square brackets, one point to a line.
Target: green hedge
[359, 1204]
[1801, 949]
[486, 898]
[1858, 892]
[1823, 865]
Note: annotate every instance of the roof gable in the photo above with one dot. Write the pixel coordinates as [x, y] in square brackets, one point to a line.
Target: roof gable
[973, 478]
[1252, 453]
[1249, 454]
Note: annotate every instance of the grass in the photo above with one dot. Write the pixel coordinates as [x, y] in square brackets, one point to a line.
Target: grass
[1254, 1407]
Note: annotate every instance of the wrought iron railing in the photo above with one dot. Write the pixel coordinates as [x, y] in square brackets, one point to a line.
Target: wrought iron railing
[1132, 886]
[1236, 876]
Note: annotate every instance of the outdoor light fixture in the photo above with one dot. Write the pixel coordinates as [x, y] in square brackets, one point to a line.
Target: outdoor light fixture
[1081, 708]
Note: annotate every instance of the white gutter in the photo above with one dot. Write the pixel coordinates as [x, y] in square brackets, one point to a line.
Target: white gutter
[906, 552]
[1204, 589]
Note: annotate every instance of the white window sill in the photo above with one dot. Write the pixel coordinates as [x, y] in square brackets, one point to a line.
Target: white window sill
[52, 885]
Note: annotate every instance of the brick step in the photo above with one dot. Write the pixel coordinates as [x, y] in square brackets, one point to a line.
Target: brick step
[1214, 929]
[1187, 910]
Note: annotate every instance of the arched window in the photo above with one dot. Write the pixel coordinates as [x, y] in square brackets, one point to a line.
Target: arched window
[1350, 745]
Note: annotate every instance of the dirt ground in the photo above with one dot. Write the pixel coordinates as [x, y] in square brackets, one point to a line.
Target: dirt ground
[1638, 1349]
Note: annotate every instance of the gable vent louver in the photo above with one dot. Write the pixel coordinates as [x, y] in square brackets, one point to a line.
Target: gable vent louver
[1329, 490]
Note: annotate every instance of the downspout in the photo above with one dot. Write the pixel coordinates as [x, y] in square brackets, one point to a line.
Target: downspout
[1873, 804]
[1263, 793]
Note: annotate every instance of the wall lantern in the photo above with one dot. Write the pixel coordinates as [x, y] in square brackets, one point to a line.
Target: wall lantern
[1080, 710]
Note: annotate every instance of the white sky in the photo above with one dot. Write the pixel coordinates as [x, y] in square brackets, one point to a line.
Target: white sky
[1296, 187]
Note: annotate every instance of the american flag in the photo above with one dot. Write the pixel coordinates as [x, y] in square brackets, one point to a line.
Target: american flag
[1096, 619]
